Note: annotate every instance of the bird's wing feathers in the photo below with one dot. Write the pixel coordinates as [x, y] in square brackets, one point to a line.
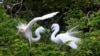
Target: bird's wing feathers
[41, 18]
[49, 15]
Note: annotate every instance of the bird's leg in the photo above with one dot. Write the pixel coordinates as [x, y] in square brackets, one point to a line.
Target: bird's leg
[30, 42]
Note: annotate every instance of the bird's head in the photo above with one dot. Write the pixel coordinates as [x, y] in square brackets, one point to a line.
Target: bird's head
[55, 26]
[21, 28]
[40, 29]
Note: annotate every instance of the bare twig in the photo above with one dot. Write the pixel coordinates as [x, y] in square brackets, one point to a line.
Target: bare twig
[12, 6]
[21, 3]
[30, 12]
[88, 18]
[61, 16]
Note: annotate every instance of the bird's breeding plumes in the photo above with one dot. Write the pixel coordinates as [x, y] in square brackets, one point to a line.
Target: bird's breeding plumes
[25, 29]
[64, 37]
[72, 31]
[21, 27]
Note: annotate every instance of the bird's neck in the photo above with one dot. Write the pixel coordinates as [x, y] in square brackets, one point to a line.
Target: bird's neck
[53, 36]
[38, 36]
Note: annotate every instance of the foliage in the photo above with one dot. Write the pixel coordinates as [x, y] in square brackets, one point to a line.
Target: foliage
[15, 45]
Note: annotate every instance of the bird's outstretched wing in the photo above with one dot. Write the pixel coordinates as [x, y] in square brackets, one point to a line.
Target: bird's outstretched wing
[46, 16]
[49, 15]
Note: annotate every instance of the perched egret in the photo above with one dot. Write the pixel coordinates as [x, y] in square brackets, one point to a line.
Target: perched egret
[25, 29]
[64, 37]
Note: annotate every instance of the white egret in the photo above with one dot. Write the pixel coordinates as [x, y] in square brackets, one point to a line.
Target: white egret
[64, 37]
[25, 29]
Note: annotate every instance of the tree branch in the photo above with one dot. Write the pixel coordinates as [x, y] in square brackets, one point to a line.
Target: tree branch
[88, 18]
[21, 3]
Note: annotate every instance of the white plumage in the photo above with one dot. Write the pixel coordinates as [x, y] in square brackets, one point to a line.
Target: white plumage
[25, 29]
[64, 37]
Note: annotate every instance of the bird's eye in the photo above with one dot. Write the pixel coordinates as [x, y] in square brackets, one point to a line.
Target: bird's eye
[52, 27]
[43, 30]
[21, 30]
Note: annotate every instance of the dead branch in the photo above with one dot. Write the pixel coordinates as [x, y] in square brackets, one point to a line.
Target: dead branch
[88, 18]
[21, 3]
